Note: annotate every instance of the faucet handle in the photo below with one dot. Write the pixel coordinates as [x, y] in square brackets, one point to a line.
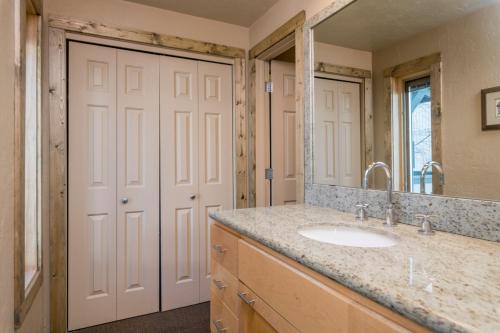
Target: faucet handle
[426, 226]
[361, 214]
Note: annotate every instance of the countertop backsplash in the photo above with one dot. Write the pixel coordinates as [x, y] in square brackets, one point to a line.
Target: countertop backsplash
[467, 217]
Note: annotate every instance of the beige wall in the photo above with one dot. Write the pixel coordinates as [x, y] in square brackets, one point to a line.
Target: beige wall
[6, 166]
[471, 59]
[338, 55]
[131, 15]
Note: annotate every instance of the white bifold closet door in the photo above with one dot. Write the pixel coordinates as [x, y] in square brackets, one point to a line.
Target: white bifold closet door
[196, 172]
[283, 133]
[113, 223]
[337, 128]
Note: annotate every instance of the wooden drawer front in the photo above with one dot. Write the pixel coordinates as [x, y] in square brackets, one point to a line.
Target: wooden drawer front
[224, 286]
[221, 318]
[224, 249]
[306, 303]
[257, 316]
[364, 320]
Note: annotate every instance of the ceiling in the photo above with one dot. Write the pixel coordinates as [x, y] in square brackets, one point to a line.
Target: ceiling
[239, 12]
[374, 24]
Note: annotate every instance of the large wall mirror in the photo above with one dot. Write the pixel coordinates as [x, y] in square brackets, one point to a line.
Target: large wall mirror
[415, 85]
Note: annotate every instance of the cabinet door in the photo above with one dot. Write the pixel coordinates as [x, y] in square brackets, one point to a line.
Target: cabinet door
[215, 159]
[137, 183]
[92, 185]
[179, 182]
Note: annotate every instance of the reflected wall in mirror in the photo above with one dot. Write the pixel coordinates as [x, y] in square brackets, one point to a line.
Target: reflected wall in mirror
[401, 83]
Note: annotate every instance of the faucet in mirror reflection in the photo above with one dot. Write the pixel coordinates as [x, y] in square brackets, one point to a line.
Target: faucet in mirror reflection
[389, 218]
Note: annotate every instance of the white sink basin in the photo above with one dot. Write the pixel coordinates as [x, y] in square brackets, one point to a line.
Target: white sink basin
[349, 236]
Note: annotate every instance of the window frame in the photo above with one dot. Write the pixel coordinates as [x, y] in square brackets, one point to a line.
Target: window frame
[28, 26]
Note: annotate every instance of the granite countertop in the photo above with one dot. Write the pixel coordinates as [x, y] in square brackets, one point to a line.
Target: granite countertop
[446, 282]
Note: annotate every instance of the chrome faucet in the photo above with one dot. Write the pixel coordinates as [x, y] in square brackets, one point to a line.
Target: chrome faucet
[389, 218]
[423, 173]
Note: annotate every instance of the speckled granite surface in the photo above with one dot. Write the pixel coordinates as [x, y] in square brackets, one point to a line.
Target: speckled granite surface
[446, 282]
[467, 217]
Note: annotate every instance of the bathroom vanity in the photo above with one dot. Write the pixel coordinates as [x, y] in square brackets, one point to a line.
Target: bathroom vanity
[268, 276]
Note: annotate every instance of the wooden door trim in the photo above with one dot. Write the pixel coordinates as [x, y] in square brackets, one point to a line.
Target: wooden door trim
[58, 29]
[289, 27]
[144, 37]
[293, 26]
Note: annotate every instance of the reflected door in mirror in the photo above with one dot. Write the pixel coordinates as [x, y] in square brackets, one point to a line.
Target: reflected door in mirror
[337, 128]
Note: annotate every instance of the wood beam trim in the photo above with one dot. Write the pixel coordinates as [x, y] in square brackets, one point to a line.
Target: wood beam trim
[240, 114]
[413, 66]
[286, 29]
[58, 174]
[144, 37]
[252, 109]
[299, 115]
[324, 67]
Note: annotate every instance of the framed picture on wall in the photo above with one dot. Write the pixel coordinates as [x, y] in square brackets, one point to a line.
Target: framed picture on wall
[490, 108]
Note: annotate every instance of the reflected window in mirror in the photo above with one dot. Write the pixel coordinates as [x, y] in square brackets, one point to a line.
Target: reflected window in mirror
[417, 133]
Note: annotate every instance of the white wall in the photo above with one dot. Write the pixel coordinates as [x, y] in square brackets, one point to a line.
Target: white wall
[6, 166]
[131, 15]
[343, 56]
[281, 12]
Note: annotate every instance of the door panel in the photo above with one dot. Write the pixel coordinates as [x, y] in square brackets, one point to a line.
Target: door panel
[215, 156]
[138, 181]
[179, 182]
[326, 136]
[350, 137]
[92, 191]
[337, 139]
[283, 132]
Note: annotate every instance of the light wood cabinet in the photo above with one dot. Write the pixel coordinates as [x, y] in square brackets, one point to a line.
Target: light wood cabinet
[276, 294]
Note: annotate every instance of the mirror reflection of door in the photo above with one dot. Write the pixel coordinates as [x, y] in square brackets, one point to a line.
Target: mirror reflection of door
[337, 127]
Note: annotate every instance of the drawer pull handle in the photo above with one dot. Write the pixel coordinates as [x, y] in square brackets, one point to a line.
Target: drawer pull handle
[218, 326]
[219, 284]
[244, 298]
[219, 249]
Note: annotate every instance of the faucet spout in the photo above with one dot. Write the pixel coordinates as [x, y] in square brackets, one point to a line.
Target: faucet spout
[389, 221]
[423, 173]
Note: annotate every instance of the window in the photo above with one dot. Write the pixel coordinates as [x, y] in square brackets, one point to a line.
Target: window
[418, 132]
[28, 240]
[412, 101]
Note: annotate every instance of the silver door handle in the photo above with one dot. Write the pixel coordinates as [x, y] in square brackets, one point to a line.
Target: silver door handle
[218, 326]
[244, 298]
[219, 284]
[192, 197]
[219, 249]
[124, 201]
